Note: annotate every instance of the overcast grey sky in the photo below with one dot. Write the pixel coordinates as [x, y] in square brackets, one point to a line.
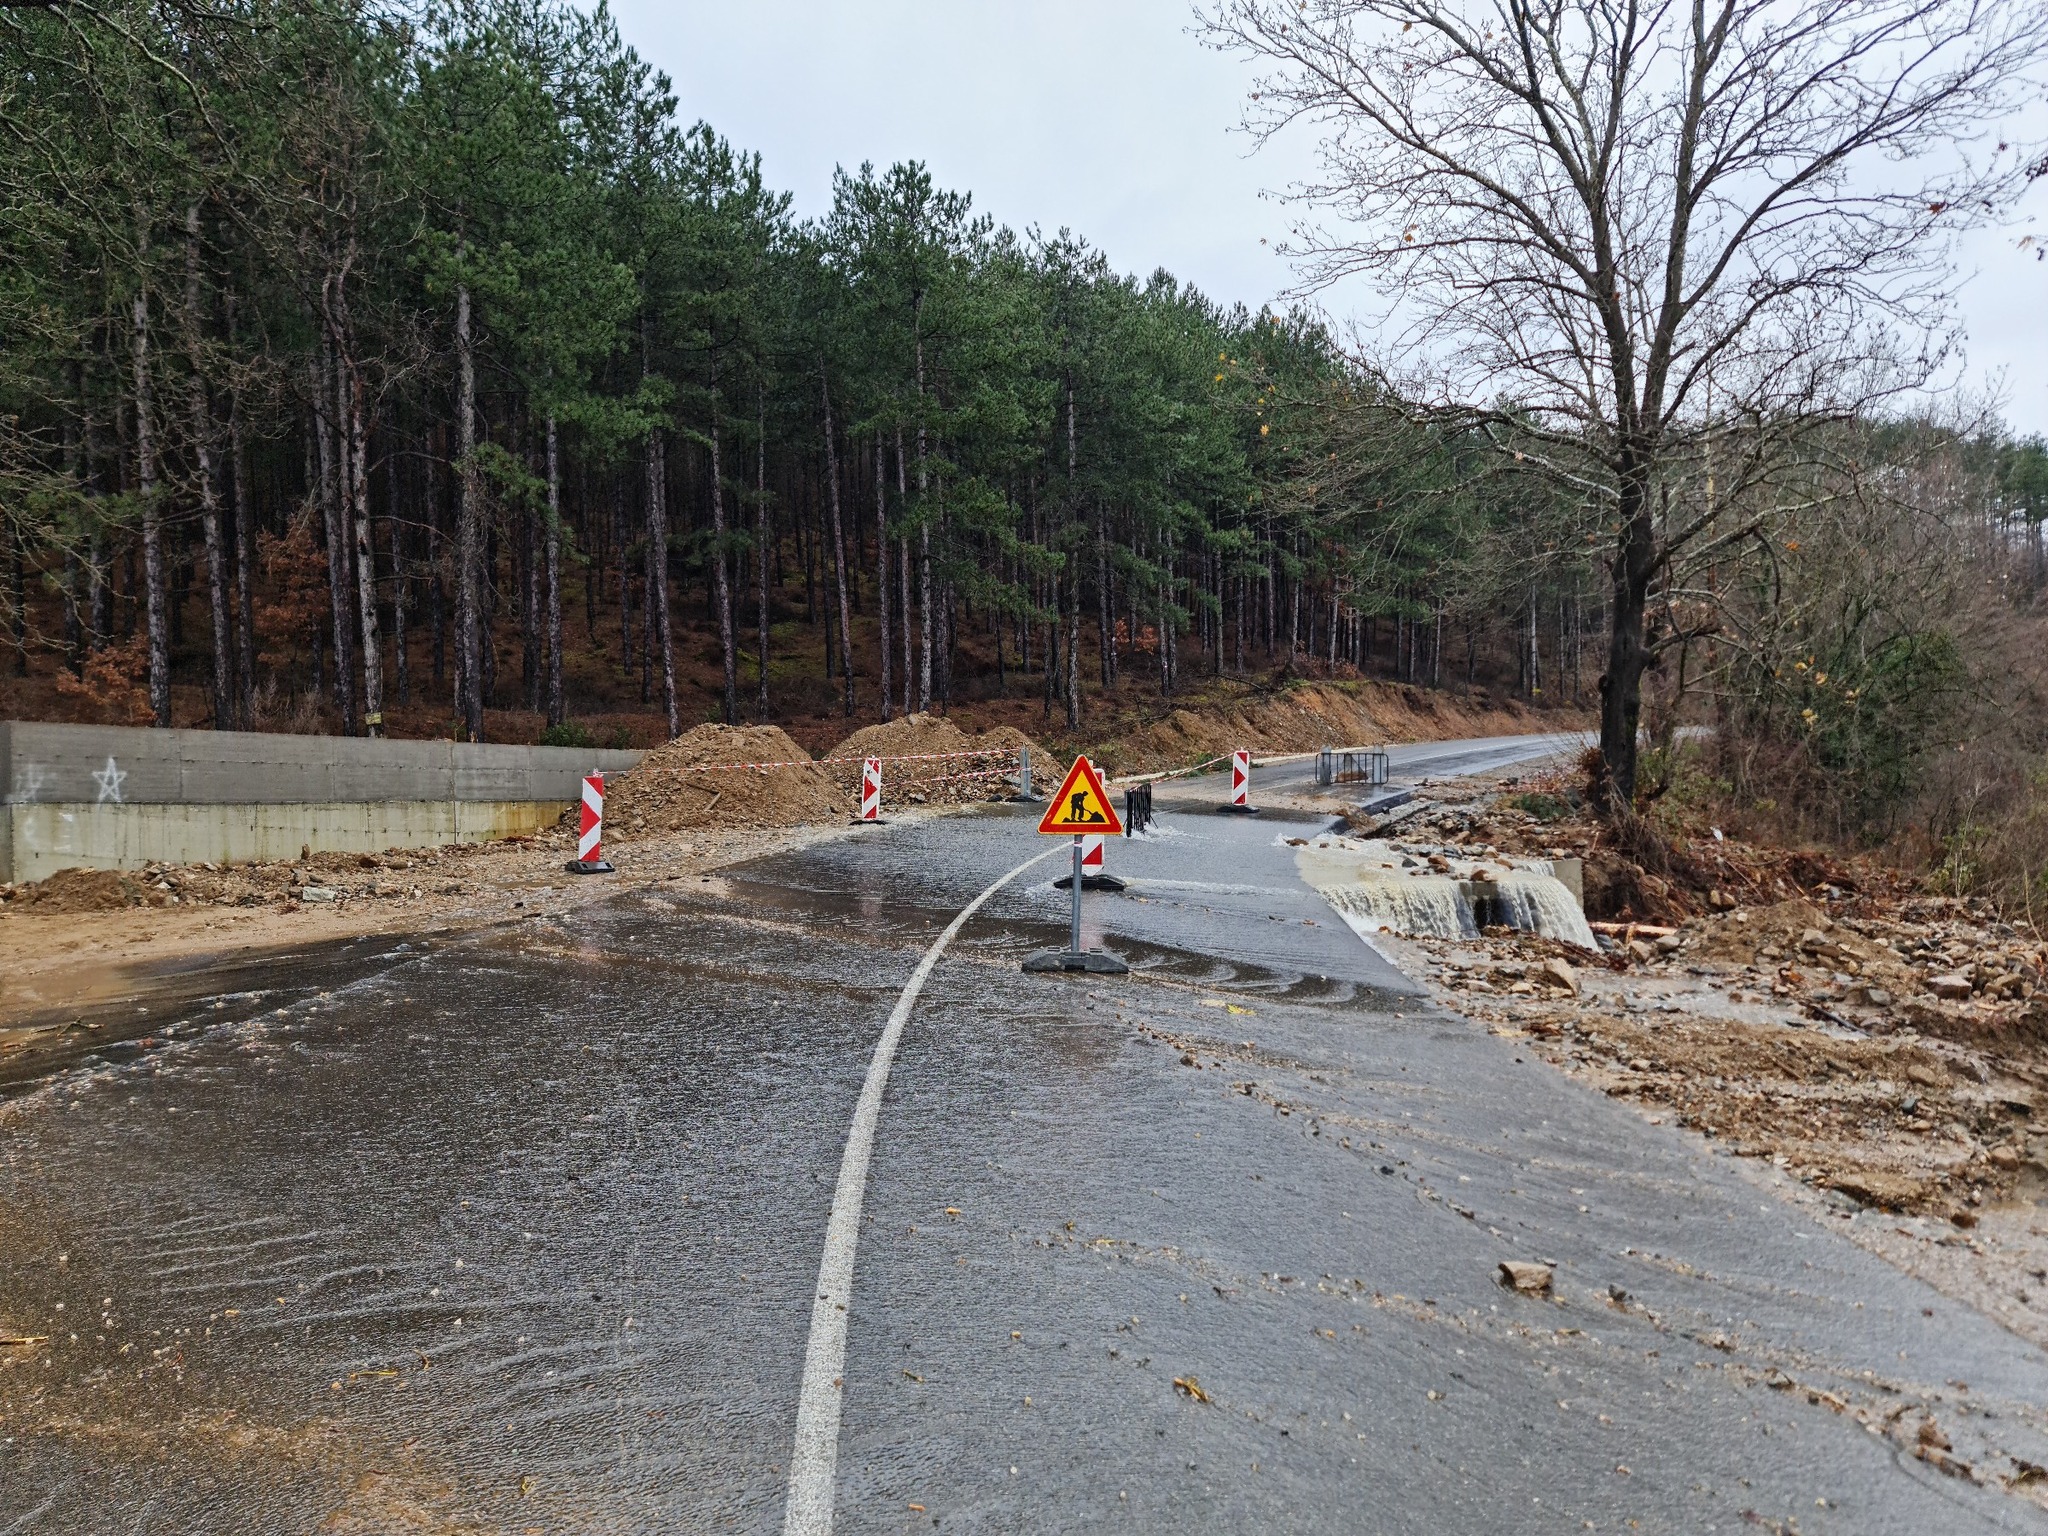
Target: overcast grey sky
[1107, 117]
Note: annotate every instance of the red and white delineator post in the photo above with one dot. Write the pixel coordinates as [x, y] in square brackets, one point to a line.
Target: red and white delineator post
[1092, 876]
[870, 793]
[590, 859]
[1240, 785]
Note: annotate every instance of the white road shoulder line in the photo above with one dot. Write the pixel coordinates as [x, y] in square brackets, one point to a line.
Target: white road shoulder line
[814, 1463]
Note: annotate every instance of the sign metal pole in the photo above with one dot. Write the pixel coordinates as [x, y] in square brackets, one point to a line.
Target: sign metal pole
[1075, 945]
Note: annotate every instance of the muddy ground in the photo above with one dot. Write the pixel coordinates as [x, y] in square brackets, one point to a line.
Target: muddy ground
[1866, 1047]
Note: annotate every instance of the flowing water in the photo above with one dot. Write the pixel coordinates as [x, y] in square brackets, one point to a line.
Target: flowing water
[1418, 906]
[1535, 903]
[1436, 906]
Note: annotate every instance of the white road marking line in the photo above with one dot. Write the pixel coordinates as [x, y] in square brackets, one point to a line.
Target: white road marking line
[814, 1462]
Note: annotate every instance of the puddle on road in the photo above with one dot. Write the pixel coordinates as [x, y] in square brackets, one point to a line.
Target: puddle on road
[179, 998]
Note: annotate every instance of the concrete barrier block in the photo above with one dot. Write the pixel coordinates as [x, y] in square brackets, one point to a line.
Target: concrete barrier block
[42, 839]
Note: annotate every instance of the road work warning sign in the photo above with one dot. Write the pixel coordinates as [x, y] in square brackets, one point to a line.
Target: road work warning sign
[1082, 805]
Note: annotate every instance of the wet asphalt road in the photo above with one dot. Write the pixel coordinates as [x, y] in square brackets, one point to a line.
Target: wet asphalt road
[520, 1233]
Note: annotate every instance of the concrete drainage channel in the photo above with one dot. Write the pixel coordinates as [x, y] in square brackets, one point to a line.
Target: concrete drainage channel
[1423, 890]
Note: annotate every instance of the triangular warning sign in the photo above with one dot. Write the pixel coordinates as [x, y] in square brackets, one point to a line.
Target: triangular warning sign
[1082, 805]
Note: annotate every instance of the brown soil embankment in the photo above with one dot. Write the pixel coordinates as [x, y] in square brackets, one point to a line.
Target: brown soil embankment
[1303, 716]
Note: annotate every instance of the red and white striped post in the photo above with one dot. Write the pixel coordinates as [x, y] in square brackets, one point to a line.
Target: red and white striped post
[1240, 785]
[870, 792]
[590, 859]
[1091, 855]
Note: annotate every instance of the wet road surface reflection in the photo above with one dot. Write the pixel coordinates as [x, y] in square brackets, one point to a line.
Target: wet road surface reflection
[518, 1234]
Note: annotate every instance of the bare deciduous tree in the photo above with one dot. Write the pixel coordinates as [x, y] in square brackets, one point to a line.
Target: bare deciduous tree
[1646, 241]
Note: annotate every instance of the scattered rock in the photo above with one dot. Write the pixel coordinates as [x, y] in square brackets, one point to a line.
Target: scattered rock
[1951, 987]
[1528, 1278]
[319, 893]
[1557, 972]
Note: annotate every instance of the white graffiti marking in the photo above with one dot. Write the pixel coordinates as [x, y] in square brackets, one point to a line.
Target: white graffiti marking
[109, 780]
[28, 783]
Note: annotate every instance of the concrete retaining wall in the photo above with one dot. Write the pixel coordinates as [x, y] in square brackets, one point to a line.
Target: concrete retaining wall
[116, 797]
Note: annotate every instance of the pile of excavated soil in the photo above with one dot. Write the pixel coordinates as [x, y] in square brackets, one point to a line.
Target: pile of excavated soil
[682, 785]
[85, 890]
[1046, 769]
[937, 770]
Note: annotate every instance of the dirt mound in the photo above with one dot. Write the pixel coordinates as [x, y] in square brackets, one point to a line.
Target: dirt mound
[682, 785]
[938, 769]
[86, 890]
[1046, 769]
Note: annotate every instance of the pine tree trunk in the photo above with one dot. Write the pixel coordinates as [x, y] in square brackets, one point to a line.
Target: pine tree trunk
[903, 608]
[721, 576]
[74, 620]
[209, 486]
[401, 581]
[657, 575]
[328, 418]
[554, 575]
[903, 574]
[245, 570]
[882, 573]
[625, 578]
[1069, 513]
[761, 540]
[17, 597]
[1165, 680]
[1103, 640]
[365, 549]
[152, 515]
[838, 543]
[532, 563]
[469, 535]
[924, 544]
[924, 612]
[1052, 642]
[437, 543]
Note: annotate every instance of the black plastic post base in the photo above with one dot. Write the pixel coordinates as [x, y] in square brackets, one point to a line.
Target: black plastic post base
[1090, 883]
[590, 867]
[1237, 810]
[861, 821]
[1094, 961]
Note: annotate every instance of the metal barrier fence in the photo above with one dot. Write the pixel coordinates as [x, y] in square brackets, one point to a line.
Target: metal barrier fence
[1137, 809]
[1352, 765]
